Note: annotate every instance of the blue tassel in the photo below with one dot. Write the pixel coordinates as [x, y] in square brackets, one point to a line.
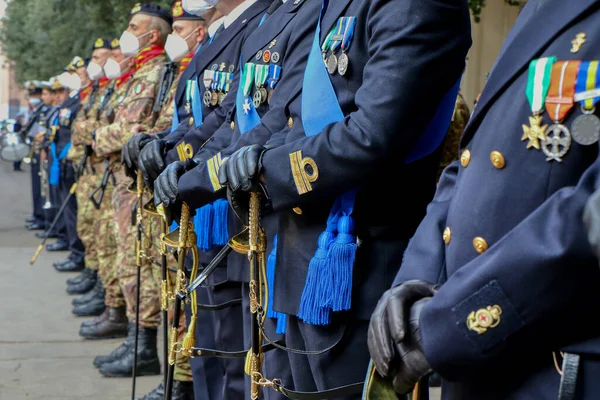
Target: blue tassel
[203, 225]
[314, 296]
[281, 324]
[342, 253]
[54, 173]
[271, 262]
[220, 234]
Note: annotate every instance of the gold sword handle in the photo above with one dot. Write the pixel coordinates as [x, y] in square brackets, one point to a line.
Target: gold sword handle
[254, 223]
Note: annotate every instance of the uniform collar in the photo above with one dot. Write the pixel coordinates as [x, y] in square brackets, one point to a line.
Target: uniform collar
[212, 29]
[236, 12]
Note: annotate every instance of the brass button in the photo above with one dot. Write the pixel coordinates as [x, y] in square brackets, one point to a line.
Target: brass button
[497, 159]
[480, 245]
[447, 235]
[191, 121]
[233, 125]
[290, 122]
[297, 210]
[465, 157]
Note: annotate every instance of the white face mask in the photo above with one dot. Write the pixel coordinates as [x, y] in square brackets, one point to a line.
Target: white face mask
[198, 7]
[130, 44]
[112, 69]
[34, 101]
[177, 47]
[74, 82]
[95, 71]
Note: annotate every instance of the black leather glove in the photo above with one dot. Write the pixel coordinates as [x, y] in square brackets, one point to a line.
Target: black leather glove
[240, 173]
[166, 185]
[412, 365]
[152, 159]
[390, 321]
[131, 152]
[173, 211]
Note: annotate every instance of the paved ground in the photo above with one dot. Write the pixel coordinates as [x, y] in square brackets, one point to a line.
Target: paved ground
[41, 354]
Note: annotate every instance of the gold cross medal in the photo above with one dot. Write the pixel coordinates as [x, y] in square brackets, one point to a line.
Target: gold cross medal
[538, 83]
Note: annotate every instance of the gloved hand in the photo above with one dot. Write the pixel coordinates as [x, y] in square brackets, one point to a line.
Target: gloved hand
[152, 159]
[241, 174]
[390, 322]
[173, 211]
[166, 185]
[131, 152]
[412, 365]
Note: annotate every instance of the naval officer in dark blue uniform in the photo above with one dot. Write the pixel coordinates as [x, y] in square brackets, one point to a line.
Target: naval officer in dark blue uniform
[274, 58]
[372, 67]
[499, 280]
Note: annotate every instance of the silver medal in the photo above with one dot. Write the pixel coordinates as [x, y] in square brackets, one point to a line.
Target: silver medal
[332, 64]
[343, 62]
[586, 128]
[206, 98]
[257, 99]
[557, 143]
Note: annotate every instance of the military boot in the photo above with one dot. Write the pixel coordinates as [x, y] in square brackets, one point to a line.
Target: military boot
[96, 320]
[95, 306]
[147, 358]
[79, 277]
[112, 325]
[119, 351]
[181, 391]
[85, 285]
[86, 298]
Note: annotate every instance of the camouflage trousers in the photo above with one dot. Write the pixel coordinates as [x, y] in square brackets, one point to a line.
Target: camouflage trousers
[104, 227]
[125, 234]
[86, 184]
[182, 371]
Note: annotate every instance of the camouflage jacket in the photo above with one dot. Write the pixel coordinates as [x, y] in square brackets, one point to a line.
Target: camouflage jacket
[81, 131]
[135, 108]
[457, 126]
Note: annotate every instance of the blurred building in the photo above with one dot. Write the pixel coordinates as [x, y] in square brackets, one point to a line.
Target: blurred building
[12, 95]
[497, 18]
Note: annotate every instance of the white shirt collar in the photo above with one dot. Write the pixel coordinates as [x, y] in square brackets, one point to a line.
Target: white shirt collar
[236, 12]
[212, 29]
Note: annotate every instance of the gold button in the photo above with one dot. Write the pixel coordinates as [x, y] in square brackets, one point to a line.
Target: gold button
[233, 125]
[447, 235]
[191, 121]
[298, 210]
[290, 122]
[480, 245]
[465, 157]
[497, 159]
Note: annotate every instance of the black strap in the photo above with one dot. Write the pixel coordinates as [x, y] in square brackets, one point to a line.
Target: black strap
[568, 382]
[342, 391]
[197, 351]
[261, 326]
[210, 307]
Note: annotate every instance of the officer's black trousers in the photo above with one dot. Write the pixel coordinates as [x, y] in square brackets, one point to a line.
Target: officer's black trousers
[345, 364]
[36, 190]
[69, 216]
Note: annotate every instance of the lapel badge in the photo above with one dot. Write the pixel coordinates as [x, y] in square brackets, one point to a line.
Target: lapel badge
[297, 1]
[231, 68]
[273, 43]
[579, 40]
[483, 319]
[222, 66]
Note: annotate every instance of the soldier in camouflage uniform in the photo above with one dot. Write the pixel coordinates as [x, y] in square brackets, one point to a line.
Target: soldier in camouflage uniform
[145, 38]
[113, 321]
[88, 178]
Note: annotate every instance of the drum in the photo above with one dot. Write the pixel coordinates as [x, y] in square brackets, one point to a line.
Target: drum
[13, 148]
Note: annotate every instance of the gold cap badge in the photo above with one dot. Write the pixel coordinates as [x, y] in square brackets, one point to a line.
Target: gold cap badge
[99, 43]
[137, 8]
[177, 9]
[115, 43]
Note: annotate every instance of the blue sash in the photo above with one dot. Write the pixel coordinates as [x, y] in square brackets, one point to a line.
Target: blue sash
[54, 178]
[328, 286]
